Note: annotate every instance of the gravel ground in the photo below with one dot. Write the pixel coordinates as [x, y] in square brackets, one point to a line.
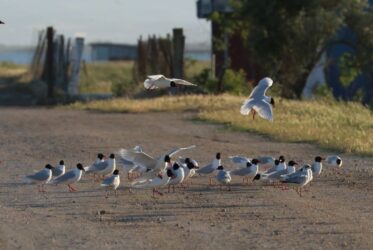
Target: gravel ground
[336, 213]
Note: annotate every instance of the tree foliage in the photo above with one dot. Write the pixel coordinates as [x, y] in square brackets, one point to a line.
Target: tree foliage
[286, 38]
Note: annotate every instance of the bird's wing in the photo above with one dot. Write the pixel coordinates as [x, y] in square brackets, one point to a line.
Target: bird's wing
[64, 178]
[239, 159]
[139, 158]
[264, 110]
[39, 176]
[182, 82]
[108, 181]
[247, 106]
[177, 150]
[296, 179]
[98, 166]
[266, 160]
[240, 171]
[260, 89]
[206, 169]
[156, 77]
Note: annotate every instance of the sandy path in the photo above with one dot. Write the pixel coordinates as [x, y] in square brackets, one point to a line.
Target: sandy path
[336, 213]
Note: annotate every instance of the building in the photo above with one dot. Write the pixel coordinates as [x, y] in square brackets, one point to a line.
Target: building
[112, 51]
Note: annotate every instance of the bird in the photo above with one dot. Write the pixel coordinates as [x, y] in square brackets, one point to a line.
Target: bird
[223, 177]
[130, 167]
[316, 167]
[70, 177]
[335, 161]
[1, 22]
[239, 160]
[298, 180]
[41, 177]
[189, 167]
[59, 169]
[250, 170]
[160, 81]
[147, 161]
[100, 158]
[179, 176]
[210, 168]
[258, 102]
[111, 182]
[103, 168]
[159, 180]
[276, 175]
[279, 164]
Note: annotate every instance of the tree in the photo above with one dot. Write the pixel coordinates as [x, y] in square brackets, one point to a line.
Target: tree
[286, 38]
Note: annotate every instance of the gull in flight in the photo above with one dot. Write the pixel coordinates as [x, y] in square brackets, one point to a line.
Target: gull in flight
[142, 159]
[70, 177]
[42, 177]
[111, 182]
[160, 81]
[258, 102]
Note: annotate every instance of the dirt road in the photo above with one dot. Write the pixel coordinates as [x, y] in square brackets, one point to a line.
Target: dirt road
[336, 213]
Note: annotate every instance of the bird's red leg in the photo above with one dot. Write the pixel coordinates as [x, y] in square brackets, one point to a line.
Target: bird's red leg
[254, 113]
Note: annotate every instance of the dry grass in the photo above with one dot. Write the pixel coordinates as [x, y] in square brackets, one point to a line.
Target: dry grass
[347, 127]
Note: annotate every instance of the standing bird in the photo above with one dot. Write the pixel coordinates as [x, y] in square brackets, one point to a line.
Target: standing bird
[224, 177]
[298, 179]
[210, 168]
[59, 169]
[335, 161]
[103, 168]
[316, 167]
[42, 177]
[159, 180]
[160, 81]
[111, 182]
[70, 177]
[258, 102]
[189, 166]
[250, 171]
[179, 176]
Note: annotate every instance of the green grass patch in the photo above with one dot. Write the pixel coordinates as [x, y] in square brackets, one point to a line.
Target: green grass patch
[347, 127]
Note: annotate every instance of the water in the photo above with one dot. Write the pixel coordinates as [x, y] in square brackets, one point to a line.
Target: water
[25, 56]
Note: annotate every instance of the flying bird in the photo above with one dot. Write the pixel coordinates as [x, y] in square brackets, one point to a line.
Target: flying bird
[258, 102]
[160, 81]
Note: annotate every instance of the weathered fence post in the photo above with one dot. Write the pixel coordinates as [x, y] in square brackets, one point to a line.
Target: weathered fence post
[49, 62]
[76, 57]
[178, 53]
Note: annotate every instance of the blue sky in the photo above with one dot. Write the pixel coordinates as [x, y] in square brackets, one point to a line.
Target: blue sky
[100, 20]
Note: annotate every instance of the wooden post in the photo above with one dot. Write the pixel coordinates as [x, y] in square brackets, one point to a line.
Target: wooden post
[76, 57]
[178, 53]
[49, 62]
[60, 61]
[66, 65]
[141, 60]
